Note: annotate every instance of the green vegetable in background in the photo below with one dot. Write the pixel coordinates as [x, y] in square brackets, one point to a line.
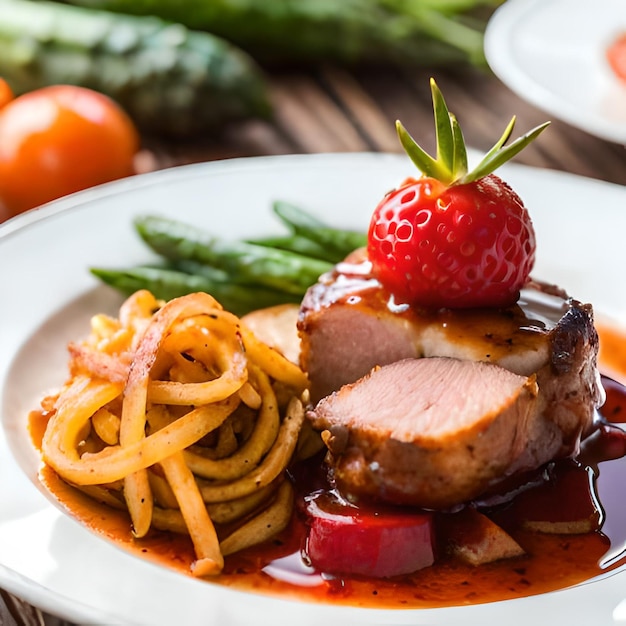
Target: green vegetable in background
[243, 276]
[400, 31]
[170, 79]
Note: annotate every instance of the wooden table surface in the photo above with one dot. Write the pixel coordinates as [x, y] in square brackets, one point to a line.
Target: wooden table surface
[336, 110]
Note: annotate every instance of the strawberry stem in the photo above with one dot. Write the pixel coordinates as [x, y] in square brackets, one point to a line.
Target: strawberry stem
[498, 155]
[460, 153]
[450, 166]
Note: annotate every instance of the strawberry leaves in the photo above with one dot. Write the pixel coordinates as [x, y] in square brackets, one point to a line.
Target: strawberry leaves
[451, 164]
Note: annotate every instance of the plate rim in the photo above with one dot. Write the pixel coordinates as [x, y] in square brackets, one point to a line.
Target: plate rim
[83, 198]
[499, 54]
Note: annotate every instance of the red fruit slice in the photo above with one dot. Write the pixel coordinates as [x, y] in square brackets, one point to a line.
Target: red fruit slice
[351, 540]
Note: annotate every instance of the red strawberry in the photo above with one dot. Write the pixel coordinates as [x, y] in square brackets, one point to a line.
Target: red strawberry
[453, 238]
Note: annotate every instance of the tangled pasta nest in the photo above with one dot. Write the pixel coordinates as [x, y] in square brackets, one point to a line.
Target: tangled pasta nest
[178, 413]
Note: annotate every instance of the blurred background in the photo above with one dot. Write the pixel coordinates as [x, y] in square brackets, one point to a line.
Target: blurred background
[203, 80]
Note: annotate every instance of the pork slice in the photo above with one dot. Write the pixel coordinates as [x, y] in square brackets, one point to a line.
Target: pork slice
[349, 324]
[431, 432]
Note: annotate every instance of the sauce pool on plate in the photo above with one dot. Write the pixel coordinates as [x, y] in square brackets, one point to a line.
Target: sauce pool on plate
[587, 488]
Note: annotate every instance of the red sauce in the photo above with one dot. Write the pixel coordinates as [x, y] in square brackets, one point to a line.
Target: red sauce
[616, 56]
[589, 488]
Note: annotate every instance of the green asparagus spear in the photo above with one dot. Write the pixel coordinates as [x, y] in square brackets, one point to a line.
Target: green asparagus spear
[295, 217]
[245, 263]
[311, 236]
[170, 79]
[165, 284]
[402, 31]
[243, 276]
[337, 243]
[297, 244]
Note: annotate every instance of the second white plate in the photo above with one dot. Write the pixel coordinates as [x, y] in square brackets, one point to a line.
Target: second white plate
[552, 53]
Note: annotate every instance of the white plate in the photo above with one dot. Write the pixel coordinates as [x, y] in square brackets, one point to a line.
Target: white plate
[552, 54]
[48, 296]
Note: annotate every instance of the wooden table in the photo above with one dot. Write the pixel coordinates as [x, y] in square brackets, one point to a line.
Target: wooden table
[334, 110]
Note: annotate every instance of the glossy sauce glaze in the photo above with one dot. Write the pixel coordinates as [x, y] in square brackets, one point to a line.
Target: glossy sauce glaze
[590, 487]
[525, 338]
[537, 312]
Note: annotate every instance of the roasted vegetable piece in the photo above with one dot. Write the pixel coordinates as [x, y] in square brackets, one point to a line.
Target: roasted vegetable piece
[310, 236]
[453, 238]
[565, 504]
[171, 80]
[294, 243]
[285, 31]
[474, 538]
[343, 539]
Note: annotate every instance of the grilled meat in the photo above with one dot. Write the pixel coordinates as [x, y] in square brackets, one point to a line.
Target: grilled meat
[349, 325]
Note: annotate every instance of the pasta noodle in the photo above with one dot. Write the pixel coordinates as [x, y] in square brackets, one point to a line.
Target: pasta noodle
[178, 414]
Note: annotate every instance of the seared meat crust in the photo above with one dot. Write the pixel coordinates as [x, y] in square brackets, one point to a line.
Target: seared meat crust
[348, 326]
[432, 432]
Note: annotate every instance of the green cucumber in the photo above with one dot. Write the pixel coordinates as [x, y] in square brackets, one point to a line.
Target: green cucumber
[170, 79]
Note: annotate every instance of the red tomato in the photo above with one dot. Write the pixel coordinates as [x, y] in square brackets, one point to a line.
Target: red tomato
[6, 93]
[616, 56]
[61, 139]
[351, 540]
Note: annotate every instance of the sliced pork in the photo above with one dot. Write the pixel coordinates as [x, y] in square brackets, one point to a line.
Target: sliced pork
[431, 432]
[349, 324]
